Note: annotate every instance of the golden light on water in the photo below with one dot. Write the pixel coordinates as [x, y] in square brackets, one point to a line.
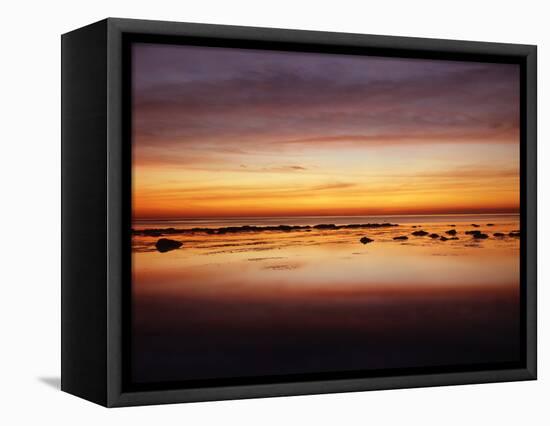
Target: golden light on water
[236, 137]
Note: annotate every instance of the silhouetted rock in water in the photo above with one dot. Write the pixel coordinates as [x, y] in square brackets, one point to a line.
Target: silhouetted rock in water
[235, 229]
[207, 230]
[158, 232]
[366, 240]
[370, 225]
[498, 234]
[354, 225]
[401, 237]
[451, 232]
[288, 228]
[434, 235]
[326, 226]
[490, 224]
[164, 244]
[481, 236]
[475, 226]
[443, 238]
[414, 226]
[514, 234]
[249, 228]
[420, 233]
[451, 225]
[453, 238]
[153, 233]
[472, 232]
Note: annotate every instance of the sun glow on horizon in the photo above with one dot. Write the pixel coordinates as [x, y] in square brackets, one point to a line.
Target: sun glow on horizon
[251, 133]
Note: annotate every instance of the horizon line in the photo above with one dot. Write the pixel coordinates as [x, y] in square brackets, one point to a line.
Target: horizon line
[320, 216]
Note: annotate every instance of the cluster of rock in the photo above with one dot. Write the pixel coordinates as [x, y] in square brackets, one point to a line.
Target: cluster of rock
[477, 234]
[165, 244]
[353, 225]
[474, 233]
[159, 232]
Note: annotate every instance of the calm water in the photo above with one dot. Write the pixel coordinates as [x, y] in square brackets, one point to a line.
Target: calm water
[271, 303]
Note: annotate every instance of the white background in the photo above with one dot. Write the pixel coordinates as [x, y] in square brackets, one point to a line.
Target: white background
[30, 212]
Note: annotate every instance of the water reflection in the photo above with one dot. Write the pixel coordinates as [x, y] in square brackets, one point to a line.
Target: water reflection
[270, 303]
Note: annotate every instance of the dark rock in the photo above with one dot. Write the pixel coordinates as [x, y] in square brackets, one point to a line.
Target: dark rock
[164, 244]
[152, 233]
[472, 232]
[364, 225]
[443, 238]
[434, 235]
[451, 232]
[453, 238]
[514, 234]
[401, 237]
[452, 225]
[250, 228]
[420, 233]
[156, 232]
[481, 236]
[475, 226]
[414, 226]
[490, 224]
[366, 240]
[207, 230]
[326, 226]
[498, 234]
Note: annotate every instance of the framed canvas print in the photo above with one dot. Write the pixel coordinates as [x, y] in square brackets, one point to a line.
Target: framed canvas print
[253, 212]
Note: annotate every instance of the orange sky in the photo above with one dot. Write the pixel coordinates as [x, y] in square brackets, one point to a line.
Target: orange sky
[229, 132]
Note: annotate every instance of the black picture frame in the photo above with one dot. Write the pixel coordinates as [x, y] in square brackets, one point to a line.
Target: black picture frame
[96, 213]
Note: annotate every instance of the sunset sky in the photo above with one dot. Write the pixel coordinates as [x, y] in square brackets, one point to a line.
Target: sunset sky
[235, 132]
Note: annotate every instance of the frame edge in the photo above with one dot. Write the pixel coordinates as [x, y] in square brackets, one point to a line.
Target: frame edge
[115, 396]
[83, 213]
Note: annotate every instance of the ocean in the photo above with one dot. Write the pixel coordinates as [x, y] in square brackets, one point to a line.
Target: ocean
[272, 303]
